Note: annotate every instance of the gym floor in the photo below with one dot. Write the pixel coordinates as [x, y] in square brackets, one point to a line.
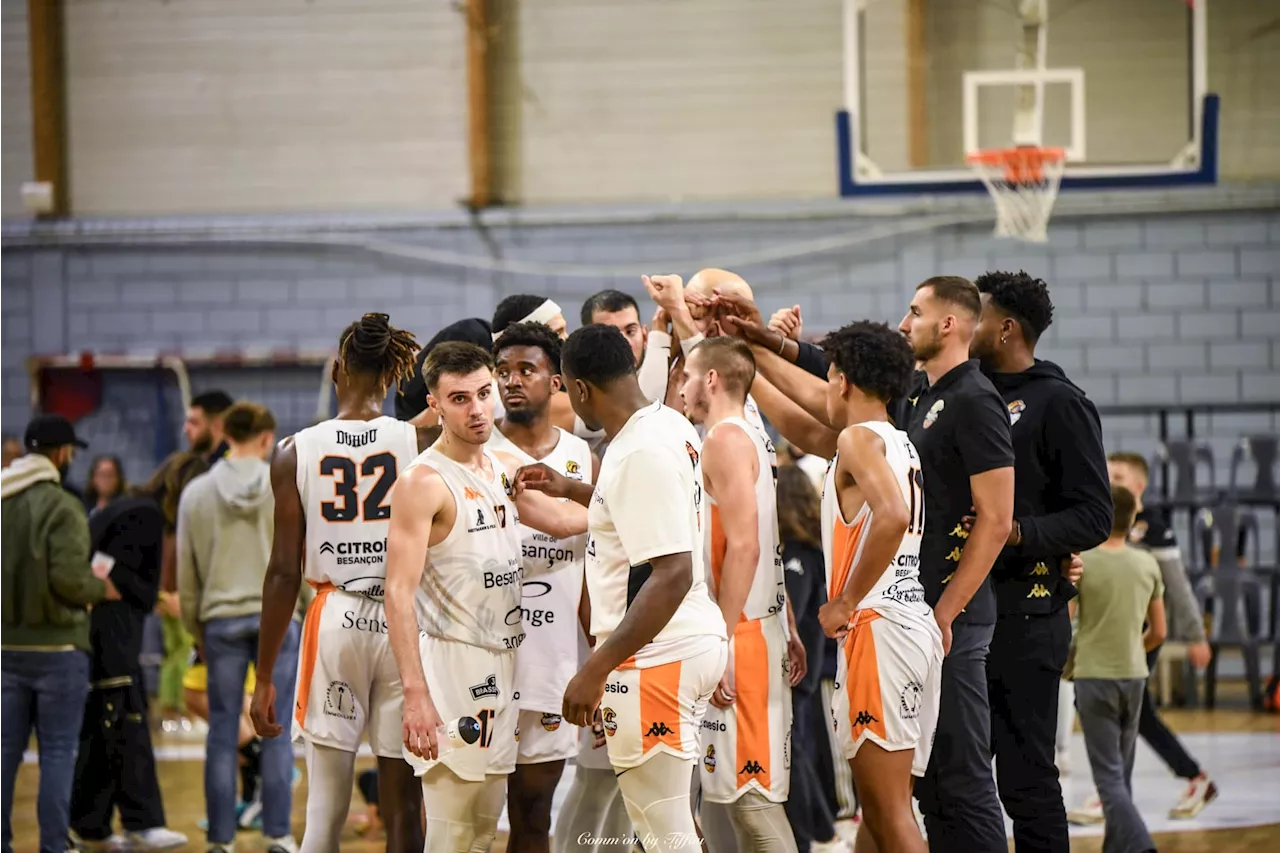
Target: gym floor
[1241, 750]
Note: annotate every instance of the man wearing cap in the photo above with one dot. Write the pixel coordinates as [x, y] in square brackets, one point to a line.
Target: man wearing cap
[48, 588]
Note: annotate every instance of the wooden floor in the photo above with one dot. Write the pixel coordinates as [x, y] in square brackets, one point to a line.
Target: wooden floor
[182, 783]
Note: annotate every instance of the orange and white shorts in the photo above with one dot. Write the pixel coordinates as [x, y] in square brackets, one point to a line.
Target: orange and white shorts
[659, 708]
[888, 680]
[348, 682]
[747, 746]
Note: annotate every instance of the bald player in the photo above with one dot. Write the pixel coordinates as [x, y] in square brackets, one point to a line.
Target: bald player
[745, 739]
[691, 309]
[453, 603]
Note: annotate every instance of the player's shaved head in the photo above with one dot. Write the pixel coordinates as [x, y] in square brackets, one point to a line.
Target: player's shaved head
[705, 282]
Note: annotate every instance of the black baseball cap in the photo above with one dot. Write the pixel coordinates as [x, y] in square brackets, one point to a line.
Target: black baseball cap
[50, 431]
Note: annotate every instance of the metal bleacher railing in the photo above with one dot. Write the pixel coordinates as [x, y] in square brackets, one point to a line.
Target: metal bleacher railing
[1225, 557]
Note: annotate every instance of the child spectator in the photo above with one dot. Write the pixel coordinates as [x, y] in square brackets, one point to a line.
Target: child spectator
[1121, 588]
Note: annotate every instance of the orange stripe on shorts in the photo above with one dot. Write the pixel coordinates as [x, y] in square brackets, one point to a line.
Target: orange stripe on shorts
[866, 702]
[660, 706]
[751, 684]
[307, 653]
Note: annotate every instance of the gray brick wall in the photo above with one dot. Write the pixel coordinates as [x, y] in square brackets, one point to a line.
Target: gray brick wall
[1156, 309]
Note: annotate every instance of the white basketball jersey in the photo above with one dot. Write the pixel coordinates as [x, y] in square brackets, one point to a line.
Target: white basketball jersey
[898, 591]
[552, 588]
[471, 583]
[768, 588]
[346, 473]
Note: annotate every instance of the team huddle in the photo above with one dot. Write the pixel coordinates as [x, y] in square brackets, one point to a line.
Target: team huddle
[496, 594]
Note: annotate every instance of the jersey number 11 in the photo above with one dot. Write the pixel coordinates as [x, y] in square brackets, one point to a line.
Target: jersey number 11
[347, 505]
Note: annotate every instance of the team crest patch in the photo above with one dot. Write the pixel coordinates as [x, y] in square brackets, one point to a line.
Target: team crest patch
[1138, 532]
[506, 483]
[1016, 408]
[693, 454]
[488, 687]
[610, 720]
[932, 414]
[709, 760]
[573, 469]
[550, 722]
[517, 733]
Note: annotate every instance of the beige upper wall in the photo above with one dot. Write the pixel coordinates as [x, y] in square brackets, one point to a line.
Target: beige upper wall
[15, 118]
[234, 106]
[619, 100]
[230, 106]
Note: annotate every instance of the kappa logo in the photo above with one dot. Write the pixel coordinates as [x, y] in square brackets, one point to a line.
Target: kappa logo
[1040, 570]
[486, 688]
[658, 730]
[550, 722]
[709, 760]
[1016, 408]
[864, 718]
[693, 454]
[931, 416]
[610, 720]
[751, 768]
[326, 548]
[470, 494]
[1039, 591]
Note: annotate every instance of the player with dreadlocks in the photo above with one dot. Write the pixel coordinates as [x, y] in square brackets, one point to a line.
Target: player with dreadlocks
[332, 485]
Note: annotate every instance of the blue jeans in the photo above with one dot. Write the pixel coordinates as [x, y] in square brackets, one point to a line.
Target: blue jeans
[229, 646]
[46, 690]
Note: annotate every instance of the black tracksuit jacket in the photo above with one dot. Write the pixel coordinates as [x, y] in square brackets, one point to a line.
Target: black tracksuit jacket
[1062, 495]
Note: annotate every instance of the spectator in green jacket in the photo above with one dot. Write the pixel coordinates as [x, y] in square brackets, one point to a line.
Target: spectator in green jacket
[47, 591]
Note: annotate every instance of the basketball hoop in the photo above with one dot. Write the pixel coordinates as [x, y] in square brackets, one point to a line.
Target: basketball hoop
[1024, 183]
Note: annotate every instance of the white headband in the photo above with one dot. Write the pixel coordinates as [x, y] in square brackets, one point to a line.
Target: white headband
[542, 314]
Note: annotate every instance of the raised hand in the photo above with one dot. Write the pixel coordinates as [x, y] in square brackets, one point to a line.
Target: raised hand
[786, 321]
[667, 292]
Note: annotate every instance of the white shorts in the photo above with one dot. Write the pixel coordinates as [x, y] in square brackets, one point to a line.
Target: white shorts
[469, 681]
[747, 746]
[888, 680]
[543, 737]
[348, 682]
[659, 708]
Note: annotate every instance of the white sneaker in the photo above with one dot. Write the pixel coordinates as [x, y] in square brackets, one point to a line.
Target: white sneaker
[221, 848]
[283, 844]
[157, 838]
[115, 842]
[1200, 792]
[1089, 812]
[835, 845]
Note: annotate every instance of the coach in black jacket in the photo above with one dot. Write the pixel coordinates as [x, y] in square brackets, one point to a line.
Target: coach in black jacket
[116, 767]
[1062, 504]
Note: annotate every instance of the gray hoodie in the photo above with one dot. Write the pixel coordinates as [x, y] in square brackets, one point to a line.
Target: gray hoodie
[225, 525]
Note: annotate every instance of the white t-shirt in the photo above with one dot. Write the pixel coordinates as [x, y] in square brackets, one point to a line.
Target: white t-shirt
[552, 587]
[648, 503]
[347, 472]
[898, 593]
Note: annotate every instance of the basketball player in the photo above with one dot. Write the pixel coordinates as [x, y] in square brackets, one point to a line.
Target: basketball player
[890, 666]
[692, 311]
[332, 485]
[660, 640]
[526, 308]
[527, 359]
[746, 737]
[454, 568]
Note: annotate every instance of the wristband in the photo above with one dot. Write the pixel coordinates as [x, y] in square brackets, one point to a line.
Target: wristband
[782, 343]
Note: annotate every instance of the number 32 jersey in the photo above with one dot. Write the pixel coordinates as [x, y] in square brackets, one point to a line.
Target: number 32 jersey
[346, 471]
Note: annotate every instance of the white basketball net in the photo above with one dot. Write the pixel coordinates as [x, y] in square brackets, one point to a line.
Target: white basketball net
[1024, 183]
